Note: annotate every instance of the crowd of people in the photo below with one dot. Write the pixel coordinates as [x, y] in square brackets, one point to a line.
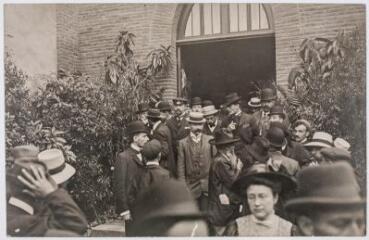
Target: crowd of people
[195, 170]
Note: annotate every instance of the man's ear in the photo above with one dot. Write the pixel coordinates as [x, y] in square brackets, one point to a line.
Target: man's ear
[305, 225]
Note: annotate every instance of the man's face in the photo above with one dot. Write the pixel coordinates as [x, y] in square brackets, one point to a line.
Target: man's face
[267, 105]
[143, 117]
[211, 119]
[233, 108]
[276, 118]
[188, 228]
[140, 139]
[196, 128]
[196, 108]
[179, 109]
[261, 201]
[300, 133]
[343, 221]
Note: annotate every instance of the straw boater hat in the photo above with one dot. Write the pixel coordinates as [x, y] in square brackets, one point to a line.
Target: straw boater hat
[221, 138]
[320, 139]
[55, 163]
[254, 102]
[196, 118]
[231, 98]
[25, 153]
[209, 110]
[331, 185]
[261, 171]
[341, 143]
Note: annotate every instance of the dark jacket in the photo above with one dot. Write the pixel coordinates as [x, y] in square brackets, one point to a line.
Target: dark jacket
[151, 175]
[162, 133]
[262, 122]
[127, 166]
[195, 173]
[56, 211]
[242, 120]
[207, 130]
[298, 152]
[221, 177]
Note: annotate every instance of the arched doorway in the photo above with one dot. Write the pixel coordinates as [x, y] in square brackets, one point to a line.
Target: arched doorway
[224, 48]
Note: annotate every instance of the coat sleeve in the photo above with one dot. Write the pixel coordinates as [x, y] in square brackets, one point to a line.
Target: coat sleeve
[181, 162]
[119, 183]
[66, 215]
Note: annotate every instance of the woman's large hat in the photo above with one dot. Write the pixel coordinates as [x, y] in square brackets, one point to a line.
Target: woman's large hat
[222, 138]
[320, 139]
[196, 118]
[261, 171]
[259, 149]
[231, 98]
[326, 185]
[55, 163]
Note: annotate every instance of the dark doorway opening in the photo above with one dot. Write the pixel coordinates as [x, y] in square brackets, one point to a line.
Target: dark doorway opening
[218, 68]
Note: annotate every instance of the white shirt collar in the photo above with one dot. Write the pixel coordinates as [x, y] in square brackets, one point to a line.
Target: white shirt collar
[152, 163]
[195, 138]
[21, 204]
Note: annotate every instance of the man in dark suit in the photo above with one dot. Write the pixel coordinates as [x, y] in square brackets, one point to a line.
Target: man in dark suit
[268, 99]
[141, 113]
[127, 166]
[194, 159]
[161, 132]
[212, 123]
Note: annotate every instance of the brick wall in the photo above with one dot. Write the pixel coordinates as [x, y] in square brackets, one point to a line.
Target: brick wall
[294, 22]
[97, 26]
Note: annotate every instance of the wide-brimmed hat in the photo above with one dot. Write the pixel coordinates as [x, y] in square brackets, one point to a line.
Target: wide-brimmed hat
[154, 114]
[277, 110]
[320, 139]
[55, 163]
[276, 137]
[166, 200]
[268, 94]
[209, 110]
[196, 101]
[164, 106]
[179, 101]
[142, 107]
[326, 185]
[231, 98]
[207, 103]
[254, 102]
[341, 143]
[259, 149]
[222, 138]
[24, 153]
[336, 154]
[136, 127]
[261, 171]
[196, 118]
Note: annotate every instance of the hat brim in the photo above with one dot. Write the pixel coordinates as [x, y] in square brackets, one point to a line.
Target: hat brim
[299, 204]
[253, 105]
[278, 145]
[257, 156]
[288, 184]
[238, 98]
[268, 99]
[230, 141]
[212, 112]
[64, 175]
[317, 144]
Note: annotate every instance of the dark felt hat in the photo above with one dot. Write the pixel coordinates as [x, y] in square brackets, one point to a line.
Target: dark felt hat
[326, 185]
[196, 101]
[154, 114]
[222, 138]
[268, 94]
[276, 137]
[179, 101]
[165, 200]
[336, 154]
[164, 106]
[142, 107]
[207, 103]
[151, 149]
[261, 171]
[259, 149]
[136, 127]
[231, 98]
[277, 110]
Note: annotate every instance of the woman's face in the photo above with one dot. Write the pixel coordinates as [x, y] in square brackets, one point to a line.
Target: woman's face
[261, 201]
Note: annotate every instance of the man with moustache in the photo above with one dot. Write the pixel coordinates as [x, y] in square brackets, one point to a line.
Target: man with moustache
[194, 159]
[268, 99]
[212, 123]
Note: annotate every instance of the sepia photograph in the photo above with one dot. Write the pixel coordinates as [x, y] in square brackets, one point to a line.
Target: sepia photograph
[197, 119]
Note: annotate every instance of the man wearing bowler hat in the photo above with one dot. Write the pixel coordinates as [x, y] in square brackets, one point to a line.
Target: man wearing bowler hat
[212, 123]
[194, 159]
[129, 164]
[328, 202]
[236, 119]
[196, 104]
[254, 104]
[165, 108]
[161, 132]
[224, 204]
[268, 99]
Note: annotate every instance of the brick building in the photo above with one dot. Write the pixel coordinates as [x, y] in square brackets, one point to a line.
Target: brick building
[219, 47]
